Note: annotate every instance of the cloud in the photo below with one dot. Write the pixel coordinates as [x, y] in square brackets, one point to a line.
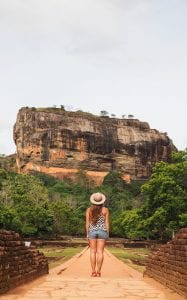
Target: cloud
[121, 32]
[76, 26]
[120, 55]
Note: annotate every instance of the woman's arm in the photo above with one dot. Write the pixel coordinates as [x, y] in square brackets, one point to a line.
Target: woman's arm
[87, 220]
[107, 221]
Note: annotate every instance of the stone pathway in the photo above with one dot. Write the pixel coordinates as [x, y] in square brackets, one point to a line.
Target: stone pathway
[72, 281]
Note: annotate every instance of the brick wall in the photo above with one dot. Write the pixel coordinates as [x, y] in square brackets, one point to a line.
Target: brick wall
[168, 264]
[18, 263]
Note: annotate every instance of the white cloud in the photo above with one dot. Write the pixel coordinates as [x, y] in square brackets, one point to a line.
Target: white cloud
[124, 56]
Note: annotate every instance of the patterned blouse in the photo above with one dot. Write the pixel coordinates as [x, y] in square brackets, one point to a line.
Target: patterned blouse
[100, 225]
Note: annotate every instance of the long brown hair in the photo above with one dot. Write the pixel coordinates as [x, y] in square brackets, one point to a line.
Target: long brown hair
[95, 212]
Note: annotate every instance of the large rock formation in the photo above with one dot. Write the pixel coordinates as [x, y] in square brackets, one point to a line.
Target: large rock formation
[60, 143]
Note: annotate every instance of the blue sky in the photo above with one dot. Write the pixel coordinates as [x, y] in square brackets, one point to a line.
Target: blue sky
[122, 56]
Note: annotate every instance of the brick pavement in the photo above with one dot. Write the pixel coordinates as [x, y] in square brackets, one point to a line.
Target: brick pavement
[72, 281]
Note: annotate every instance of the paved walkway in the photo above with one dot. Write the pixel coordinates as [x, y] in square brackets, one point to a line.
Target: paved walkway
[72, 281]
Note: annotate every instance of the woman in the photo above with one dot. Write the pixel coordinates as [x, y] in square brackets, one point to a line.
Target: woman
[97, 230]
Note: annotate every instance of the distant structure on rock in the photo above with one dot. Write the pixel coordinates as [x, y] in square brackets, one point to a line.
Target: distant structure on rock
[60, 143]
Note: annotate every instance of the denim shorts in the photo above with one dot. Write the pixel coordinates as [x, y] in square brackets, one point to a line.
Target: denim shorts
[98, 234]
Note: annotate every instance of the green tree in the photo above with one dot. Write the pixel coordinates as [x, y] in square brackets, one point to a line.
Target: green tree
[104, 113]
[177, 157]
[66, 219]
[165, 197]
[23, 199]
[129, 224]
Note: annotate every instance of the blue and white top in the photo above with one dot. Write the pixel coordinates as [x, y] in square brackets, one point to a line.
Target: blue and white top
[100, 225]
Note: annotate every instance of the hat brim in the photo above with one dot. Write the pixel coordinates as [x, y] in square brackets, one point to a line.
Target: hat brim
[97, 202]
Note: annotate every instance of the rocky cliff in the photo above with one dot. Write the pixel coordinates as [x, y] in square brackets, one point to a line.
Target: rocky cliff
[60, 143]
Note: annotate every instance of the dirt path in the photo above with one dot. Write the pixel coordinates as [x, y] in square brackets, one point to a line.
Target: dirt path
[72, 281]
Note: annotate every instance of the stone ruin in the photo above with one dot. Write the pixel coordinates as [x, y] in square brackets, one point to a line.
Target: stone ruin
[19, 262]
[168, 264]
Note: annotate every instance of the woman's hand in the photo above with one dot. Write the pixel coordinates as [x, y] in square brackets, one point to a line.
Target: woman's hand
[88, 240]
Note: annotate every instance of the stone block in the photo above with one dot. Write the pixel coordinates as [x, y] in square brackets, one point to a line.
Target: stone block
[168, 264]
[18, 263]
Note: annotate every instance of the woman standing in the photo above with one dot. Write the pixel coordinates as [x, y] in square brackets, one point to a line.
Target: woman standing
[97, 230]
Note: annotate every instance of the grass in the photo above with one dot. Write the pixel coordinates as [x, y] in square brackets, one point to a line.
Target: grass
[134, 257]
[58, 255]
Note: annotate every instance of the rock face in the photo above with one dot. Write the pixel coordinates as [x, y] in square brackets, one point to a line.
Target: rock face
[60, 143]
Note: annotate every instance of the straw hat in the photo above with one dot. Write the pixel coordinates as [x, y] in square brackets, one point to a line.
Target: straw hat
[97, 198]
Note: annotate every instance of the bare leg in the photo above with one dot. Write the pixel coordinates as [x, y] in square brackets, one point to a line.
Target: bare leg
[100, 256]
[93, 248]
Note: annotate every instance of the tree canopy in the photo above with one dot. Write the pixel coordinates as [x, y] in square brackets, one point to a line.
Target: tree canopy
[41, 205]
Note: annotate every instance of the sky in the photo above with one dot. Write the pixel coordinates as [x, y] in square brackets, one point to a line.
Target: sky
[122, 56]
